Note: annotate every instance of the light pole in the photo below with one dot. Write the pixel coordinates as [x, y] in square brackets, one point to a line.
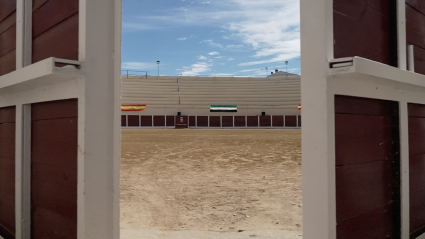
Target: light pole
[157, 62]
[286, 63]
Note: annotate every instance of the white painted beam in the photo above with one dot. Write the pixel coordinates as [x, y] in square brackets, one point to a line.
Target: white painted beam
[404, 170]
[318, 167]
[401, 32]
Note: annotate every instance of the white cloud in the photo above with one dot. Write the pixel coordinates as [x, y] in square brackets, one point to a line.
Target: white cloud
[182, 38]
[212, 43]
[137, 65]
[213, 53]
[196, 69]
[231, 59]
[272, 30]
[202, 57]
[219, 57]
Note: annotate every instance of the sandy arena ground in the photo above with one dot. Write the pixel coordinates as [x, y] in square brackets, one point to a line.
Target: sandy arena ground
[195, 183]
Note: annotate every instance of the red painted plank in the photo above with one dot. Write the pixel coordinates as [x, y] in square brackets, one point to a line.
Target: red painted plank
[239, 121]
[123, 120]
[170, 120]
[277, 120]
[7, 7]
[215, 121]
[202, 121]
[192, 121]
[227, 121]
[55, 109]
[355, 19]
[291, 121]
[7, 179]
[37, 4]
[418, 5]
[7, 23]
[146, 120]
[364, 106]
[54, 138]
[266, 121]
[416, 136]
[417, 211]
[417, 173]
[51, 14]
[52, 225]
[416, 110]
[363, 138]
[55, 189]
[415, 28]
[159, 120]
[7, 219]
[7, 140]
[60, 41]
[252, 121]
[362, 188]
[7, 172]
[54, 142]
[7, 114]
[357, 9]
[377, 223]
[8, 40]
[133, 120]
[8, 63]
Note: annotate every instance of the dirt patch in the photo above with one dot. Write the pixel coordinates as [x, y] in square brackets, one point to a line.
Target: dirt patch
[211, 180]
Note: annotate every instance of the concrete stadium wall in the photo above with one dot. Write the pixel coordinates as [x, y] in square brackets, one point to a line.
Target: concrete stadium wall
[165, 95]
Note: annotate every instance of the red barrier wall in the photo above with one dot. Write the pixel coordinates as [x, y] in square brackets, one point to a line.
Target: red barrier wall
[227, 121]
[417, 169]
[366, 29]
[202, 121]
[192, 121]
[54, 137]
[123, 120]
[55, 29]
[252, 121]
[159, 120]
[367, 168]
[170, 120]
[277, 121]
[146, 121]
[7, 36]
[133, 121]
[240, 121]
[290, 121]
[7, 172]
[215, 121]
[265, 121]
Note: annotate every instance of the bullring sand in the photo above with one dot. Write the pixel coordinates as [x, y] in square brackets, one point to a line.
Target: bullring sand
[206, 183]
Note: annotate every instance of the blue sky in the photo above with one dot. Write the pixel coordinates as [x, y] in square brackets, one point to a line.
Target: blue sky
[211, 37]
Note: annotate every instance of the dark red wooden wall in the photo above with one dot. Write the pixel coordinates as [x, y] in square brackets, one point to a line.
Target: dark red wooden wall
[7, 36]
[213, 121]
[367, 168]
[7, 172]
[54, 138]
[415, 24]
[366, 29]
[417, 169]
[55, 29]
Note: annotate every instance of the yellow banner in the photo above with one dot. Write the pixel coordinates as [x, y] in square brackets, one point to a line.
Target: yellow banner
[133, 107]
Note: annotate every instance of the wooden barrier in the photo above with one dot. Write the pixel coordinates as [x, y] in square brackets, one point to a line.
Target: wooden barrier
[161, 121]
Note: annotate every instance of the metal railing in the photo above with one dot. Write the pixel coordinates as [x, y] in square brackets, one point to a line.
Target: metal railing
[128, 73]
